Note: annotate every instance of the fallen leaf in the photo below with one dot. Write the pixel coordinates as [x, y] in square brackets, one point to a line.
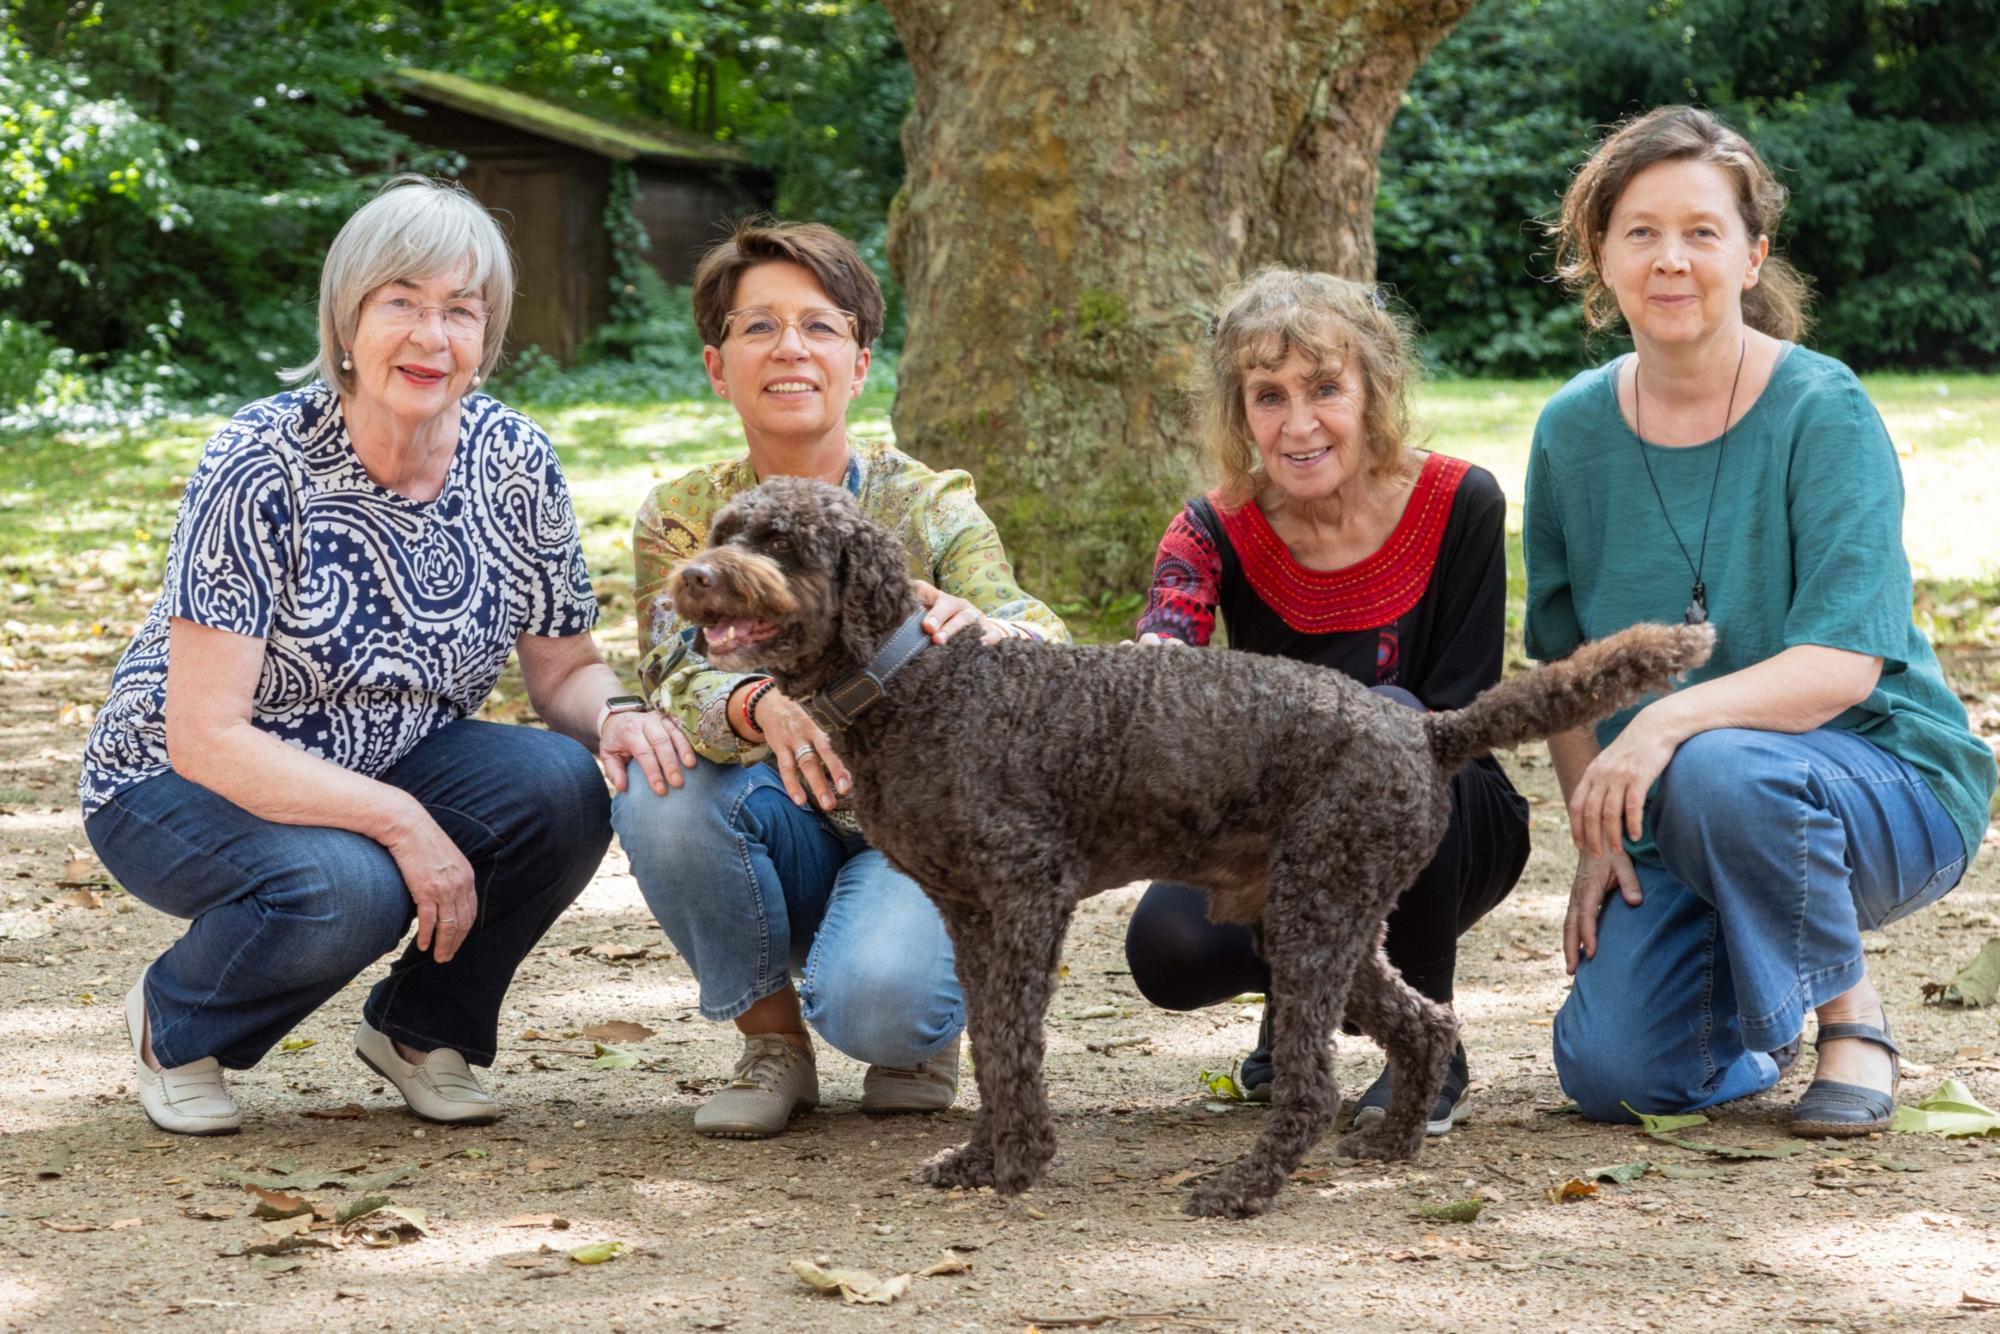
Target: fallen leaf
[354, 1209]
[468, 1153]
[57, 1164]
[208, 1213]
[69, 1227]
[555, 1221]
[1786, 1149]
[1978, 1303]
[1624, 1174]
[523, 1262]
[297, 1044]
[1950, 1111]
[121, 1224]
[1977, 984]
[597, 1252]
[274, 1266]
[613, 952]
[951, 1264]
[1458, 1211]
[352, 1111]
[1572, 1190]
[277, 1204]
[1661, 1125]
[882, 1294]
[610, 1058]
[855, 1286]
[78, 896]
[618, 1030]
[388, 1225]
[1222, 1084]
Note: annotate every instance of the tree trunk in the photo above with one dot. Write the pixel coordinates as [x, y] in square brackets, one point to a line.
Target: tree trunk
[1085, 178]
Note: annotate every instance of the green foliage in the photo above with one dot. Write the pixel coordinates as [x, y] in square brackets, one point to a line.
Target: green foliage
[1882, 116]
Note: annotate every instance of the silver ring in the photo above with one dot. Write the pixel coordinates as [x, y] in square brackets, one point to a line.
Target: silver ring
[451, 921]
[803, 749]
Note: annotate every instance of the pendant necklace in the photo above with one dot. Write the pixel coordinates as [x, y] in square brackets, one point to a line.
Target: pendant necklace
[1697, 608]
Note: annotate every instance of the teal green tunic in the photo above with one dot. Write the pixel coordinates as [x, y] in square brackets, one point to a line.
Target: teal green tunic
[1805, 546]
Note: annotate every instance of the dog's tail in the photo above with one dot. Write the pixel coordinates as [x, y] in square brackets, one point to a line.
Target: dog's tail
[1592, 683]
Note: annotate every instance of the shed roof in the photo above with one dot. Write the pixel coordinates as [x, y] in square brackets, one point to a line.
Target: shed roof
[622, 143]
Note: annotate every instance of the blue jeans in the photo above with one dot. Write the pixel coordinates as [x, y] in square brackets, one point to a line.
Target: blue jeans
[751, 888]
[283, 916]
[1779, 851]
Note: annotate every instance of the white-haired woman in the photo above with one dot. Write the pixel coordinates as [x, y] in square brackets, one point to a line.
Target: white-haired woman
[287, 758]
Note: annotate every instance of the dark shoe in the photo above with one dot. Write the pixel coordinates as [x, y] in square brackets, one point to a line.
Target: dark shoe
[1451, 1107]
[1828, 1109]
[1253, 1077]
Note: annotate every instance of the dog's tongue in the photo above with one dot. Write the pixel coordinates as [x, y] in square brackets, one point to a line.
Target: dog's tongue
[725, 635]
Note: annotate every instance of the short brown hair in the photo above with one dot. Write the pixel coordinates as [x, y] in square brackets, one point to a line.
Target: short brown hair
[850, 284]
[1276, 312]
[1776, 305]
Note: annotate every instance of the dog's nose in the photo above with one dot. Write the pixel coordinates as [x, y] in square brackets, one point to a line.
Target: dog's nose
[698, 575]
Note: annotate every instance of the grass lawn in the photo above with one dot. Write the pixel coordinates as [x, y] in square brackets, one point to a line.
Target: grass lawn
[84, 519]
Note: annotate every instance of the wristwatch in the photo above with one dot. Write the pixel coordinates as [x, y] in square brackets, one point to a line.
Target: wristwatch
[621, 704]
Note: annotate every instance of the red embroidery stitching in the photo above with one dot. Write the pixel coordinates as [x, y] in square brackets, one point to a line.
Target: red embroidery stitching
[1369, 593]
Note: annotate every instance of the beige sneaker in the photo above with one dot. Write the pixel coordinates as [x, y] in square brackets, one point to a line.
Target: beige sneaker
[929, 1087]
[774, 1081]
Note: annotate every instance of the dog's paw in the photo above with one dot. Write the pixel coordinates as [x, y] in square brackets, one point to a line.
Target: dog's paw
[967, 1167]
[1374, 1143]
[1224, 1199]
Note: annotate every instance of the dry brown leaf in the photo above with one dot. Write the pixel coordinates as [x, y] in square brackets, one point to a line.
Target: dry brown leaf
[79, 896]
[352, 1111]
[1979, 1303]
[619, 1030]
[277, 1204]
[1572, 1190]
[209, 1213]
[951, 1264]
[120, 1224]
[612, 952]
[555, 1221]
[523, 1262]
[68, 1227]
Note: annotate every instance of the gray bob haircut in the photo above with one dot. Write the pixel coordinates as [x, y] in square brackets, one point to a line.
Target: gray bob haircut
[415, 228]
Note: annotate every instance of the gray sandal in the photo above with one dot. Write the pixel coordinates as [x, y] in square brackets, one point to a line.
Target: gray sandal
[1829, 1109]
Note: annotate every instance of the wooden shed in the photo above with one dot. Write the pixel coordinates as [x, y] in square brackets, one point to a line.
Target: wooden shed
[545, 172]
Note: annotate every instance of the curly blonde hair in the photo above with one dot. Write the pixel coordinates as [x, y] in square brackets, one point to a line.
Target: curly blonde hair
[1777, 305]
[1278, 311]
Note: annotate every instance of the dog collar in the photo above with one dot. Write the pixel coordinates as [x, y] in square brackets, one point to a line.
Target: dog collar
[839, 704]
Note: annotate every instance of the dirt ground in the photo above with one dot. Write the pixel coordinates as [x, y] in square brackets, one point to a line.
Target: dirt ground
[107, 1223]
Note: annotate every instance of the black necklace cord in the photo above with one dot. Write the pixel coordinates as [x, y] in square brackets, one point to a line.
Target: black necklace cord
[1697, 608]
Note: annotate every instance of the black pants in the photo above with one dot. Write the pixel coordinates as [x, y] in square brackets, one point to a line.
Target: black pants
[1182, 961]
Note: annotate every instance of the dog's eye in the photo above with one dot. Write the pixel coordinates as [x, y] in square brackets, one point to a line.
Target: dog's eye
[779, 545]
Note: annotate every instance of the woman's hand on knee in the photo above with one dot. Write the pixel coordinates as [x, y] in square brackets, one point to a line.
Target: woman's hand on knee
[1609, 802]
[440, 883]
[659, 746]
[805, 755]
[1594, 878]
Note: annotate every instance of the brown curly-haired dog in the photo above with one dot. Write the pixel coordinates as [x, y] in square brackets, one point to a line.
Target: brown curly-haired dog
[1013, 780]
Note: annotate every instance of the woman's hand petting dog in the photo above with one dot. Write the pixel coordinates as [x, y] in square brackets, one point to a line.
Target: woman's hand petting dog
[805, 755]
[945, 614]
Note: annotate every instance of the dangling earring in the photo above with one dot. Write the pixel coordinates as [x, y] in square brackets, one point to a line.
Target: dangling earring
[346, 362]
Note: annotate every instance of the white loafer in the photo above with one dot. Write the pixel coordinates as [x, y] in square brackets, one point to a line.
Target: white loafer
[189, 1099]
[442, 1089]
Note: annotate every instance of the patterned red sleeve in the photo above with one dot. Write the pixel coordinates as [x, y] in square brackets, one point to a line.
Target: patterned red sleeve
[1187, 581]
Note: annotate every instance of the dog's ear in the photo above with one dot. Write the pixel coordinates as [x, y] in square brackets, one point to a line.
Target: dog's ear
[873, 587]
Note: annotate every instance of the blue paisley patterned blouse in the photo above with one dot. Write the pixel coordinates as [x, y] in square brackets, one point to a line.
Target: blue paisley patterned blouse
[383, 618]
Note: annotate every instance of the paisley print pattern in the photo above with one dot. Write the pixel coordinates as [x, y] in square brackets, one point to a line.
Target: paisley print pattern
[383, 618]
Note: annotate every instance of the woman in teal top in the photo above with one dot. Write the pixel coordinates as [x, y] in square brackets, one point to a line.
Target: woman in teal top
[1818, 777]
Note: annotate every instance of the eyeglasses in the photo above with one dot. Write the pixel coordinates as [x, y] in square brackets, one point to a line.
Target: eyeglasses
[755, 327]
[462, 315]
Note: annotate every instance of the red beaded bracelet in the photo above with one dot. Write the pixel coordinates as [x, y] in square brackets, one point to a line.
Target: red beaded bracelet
[757, 692]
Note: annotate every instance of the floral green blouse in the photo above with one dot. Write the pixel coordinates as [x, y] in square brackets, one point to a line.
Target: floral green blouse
[950, 540]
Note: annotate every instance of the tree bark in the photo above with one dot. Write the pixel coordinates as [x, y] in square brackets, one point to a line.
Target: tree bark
[1085, 178]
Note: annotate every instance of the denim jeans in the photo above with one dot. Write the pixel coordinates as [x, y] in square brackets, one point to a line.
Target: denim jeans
[283, 916]
[751, 889]
[1779, 851]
